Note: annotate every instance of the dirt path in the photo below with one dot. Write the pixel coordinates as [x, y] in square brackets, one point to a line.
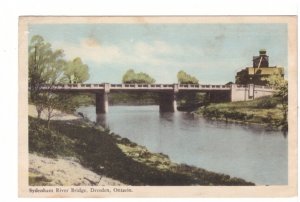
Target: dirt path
[58, 115]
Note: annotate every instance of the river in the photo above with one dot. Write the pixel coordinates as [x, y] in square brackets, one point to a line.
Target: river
[246, 151]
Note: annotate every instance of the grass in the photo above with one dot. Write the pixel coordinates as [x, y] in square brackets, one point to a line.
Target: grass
[265, 110]
[108, 154]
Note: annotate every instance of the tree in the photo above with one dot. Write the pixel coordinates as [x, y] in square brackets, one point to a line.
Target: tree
[188, 99]
[75, 71]
[131, 77]
[184, 78]
[282, 93]
[46, 69]
[281, 86]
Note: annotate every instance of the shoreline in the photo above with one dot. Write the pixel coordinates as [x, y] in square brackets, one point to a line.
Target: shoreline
[239, 122]
[140, 156]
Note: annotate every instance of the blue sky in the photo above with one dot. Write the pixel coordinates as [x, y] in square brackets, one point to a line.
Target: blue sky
[211, 52]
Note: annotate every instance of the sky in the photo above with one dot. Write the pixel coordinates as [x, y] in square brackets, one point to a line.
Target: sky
[213, 53]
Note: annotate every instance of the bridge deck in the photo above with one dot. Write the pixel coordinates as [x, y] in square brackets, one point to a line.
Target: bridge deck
[150, 87]
[106, 87]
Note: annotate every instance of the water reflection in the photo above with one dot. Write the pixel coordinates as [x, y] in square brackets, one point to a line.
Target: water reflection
[285, 133]
[247, 151]
[167, 116]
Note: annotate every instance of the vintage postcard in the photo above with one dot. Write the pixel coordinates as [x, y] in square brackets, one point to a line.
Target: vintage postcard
[158, 106]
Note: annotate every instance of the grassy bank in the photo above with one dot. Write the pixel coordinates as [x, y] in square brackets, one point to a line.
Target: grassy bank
[110, 155]
[265, 110]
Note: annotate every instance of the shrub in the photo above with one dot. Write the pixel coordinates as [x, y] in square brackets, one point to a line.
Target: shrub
[235, 115]
[266, 104]
[212, 113]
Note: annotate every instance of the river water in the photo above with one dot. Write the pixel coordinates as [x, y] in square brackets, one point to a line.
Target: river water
[248, 152]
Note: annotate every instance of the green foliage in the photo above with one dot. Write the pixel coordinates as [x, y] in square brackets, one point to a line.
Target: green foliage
[281, 85]
[81, 100]
[266, 104]
[137, 98]
[131, 77]
[47, 142]
[45, 66]
[76, 72]
[265, 110]
[48, 68]
[68, 102]
[190, 101]
[274, 80]
[215, 113]
[184, 78]
[282, 91]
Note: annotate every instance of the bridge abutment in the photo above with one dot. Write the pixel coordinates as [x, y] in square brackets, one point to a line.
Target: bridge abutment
[167, 102]
[249, 92]
[101, 103]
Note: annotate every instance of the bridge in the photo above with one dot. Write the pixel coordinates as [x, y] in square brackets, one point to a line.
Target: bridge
[167, 92]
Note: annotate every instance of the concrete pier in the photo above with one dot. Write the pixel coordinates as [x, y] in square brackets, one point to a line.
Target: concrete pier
[101, 103]
[167, 102]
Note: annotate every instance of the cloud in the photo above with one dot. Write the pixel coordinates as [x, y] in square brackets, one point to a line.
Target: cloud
[91, 42]
[159, 59]
[89, 50]
[154, 48]
[153, 53]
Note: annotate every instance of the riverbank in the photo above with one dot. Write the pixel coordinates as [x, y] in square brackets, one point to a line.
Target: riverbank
[57, 114]
[63, 171]
[107, 154]
[265, 111]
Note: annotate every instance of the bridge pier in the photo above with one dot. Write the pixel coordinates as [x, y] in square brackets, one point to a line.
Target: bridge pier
[101, 103]
[167, 102]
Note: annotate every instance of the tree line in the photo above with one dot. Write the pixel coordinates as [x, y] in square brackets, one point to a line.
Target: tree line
[132, 77]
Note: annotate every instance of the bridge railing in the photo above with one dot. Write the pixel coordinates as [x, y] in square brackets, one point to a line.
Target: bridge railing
[203, 86]
[151, 86]
[138, 86]
[74, 86]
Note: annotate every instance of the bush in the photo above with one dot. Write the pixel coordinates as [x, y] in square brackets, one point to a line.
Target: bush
[212, 113]
[266, 104]
[234, 115]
